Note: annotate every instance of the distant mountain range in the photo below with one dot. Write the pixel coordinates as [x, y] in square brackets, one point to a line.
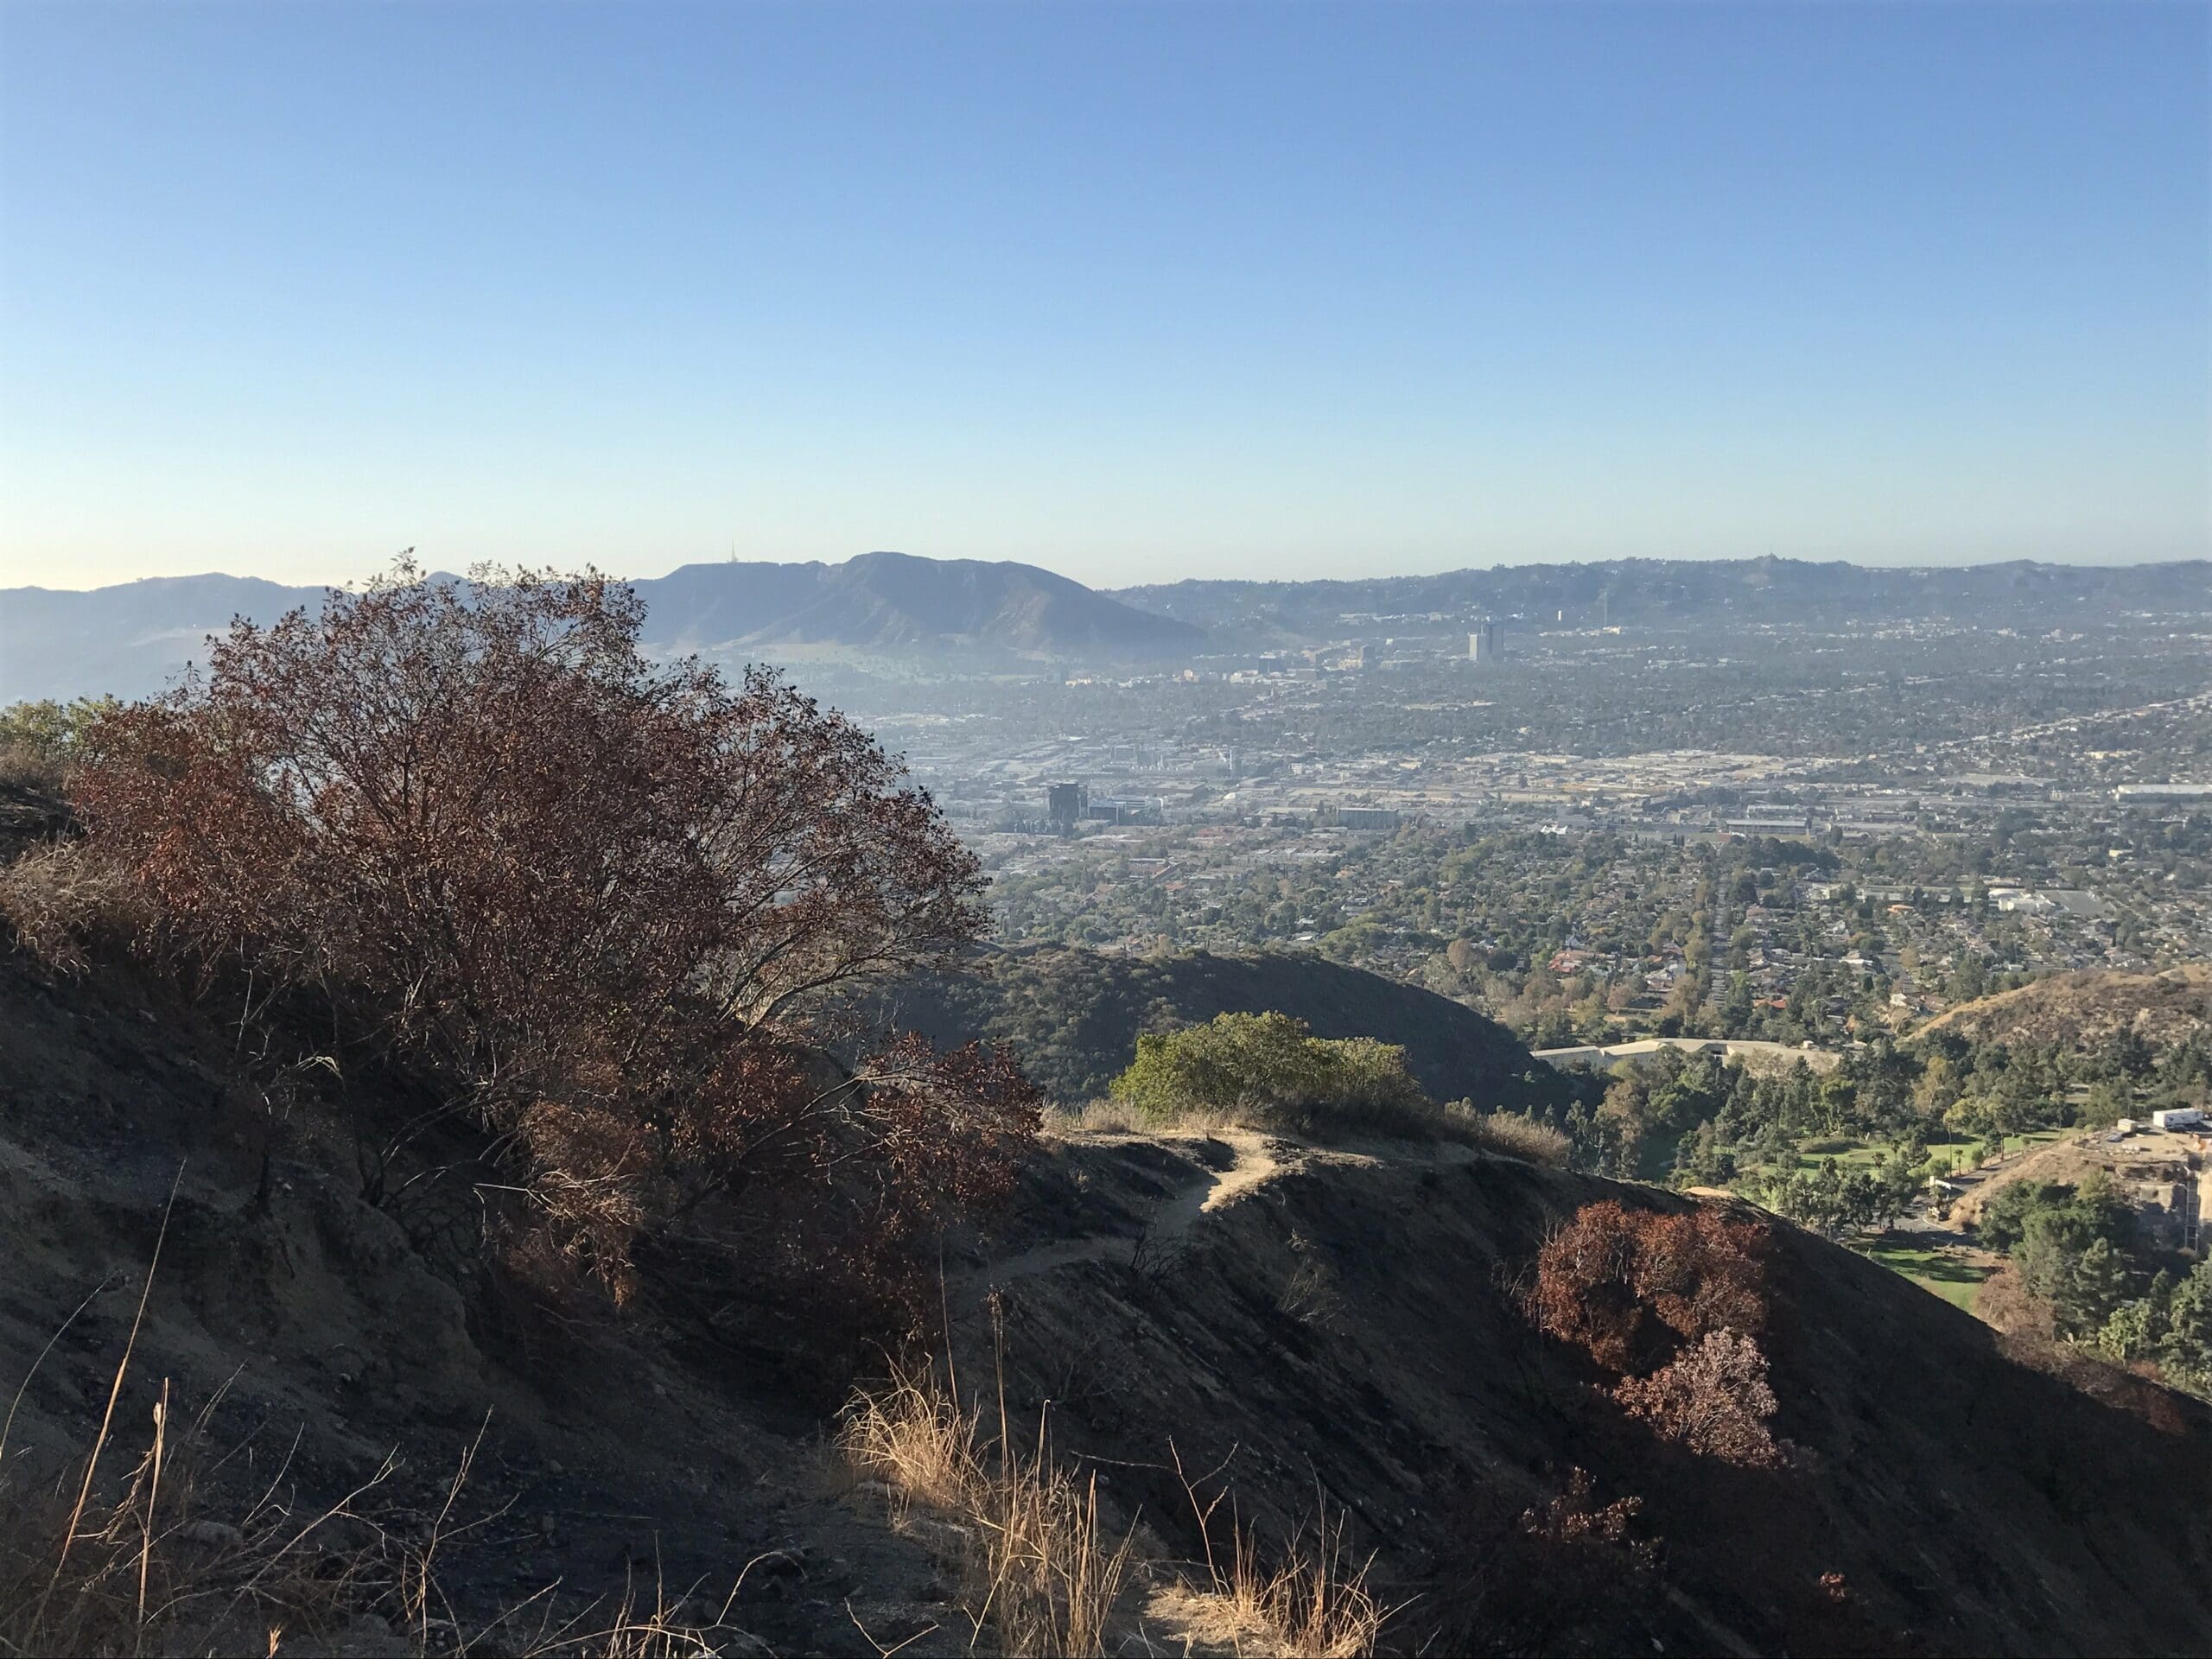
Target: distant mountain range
[132, 638]
[1659, 592]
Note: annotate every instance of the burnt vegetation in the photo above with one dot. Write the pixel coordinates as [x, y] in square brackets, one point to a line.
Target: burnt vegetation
[597, 912]
[1674, 1304]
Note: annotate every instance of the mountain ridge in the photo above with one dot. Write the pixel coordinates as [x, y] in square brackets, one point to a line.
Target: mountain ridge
[1660, 591]
[131, 638]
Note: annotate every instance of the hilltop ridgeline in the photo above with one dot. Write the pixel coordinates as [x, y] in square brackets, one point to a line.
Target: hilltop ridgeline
[1663, 592]
[1072, 1016]
[129, 639]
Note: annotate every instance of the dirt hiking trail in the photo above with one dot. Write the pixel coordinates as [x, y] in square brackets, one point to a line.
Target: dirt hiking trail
[1230, 1163]
[1254, 1159]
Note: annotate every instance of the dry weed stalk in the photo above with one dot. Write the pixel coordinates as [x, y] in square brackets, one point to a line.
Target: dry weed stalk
[149, 1573]
[145, 1572]
[1313, 1604]
[1310, 1606]
[1039, 1565]
[660, 1630]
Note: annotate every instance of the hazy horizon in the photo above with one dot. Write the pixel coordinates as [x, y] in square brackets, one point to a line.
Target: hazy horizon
[1351, 573]
[1131, 292]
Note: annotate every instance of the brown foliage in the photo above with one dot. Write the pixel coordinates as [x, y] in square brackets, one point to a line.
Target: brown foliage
[1575, 1518]
[1569, 1575]
[1714, 1399]
[2004, 1303]
[1629, 1285]
[608, 903]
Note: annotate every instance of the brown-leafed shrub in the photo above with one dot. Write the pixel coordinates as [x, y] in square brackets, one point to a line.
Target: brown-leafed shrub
[1575, 1519]
[1630, 1285]
[1568, 1575]
[610, 904]
[1714, 1399]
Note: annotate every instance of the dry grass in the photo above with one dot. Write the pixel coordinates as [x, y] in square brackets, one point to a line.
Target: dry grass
[1313, 1608]
[1419, 1121]
[1313, 1603]
[148, 1572]
[1093, 1117]
[1043, 1574]
[1119, 1117]
[88, 1567]
[1510, 1134]
[1038, 1565]
[669, 1626]
[55, 898]
[1310, 1606]
[26, 765]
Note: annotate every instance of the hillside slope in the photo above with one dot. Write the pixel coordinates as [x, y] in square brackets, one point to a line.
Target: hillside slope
[1346, 1332]
[2083, 1009]
[1073, 1016]
[1295, 1325]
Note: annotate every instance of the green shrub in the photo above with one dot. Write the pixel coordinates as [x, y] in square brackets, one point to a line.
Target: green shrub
[1269, 1064]
[38, 741]
[1270, 1071]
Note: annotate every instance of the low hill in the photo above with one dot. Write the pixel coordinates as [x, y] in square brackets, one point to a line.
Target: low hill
[1287, 1325]
[131, 638]
[2083, 1009]
[1072, 1016]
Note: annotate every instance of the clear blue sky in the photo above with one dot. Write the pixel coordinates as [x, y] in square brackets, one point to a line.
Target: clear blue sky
[1133, 291]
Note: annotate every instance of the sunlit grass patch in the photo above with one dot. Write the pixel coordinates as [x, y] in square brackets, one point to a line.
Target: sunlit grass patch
[1941, 1270]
